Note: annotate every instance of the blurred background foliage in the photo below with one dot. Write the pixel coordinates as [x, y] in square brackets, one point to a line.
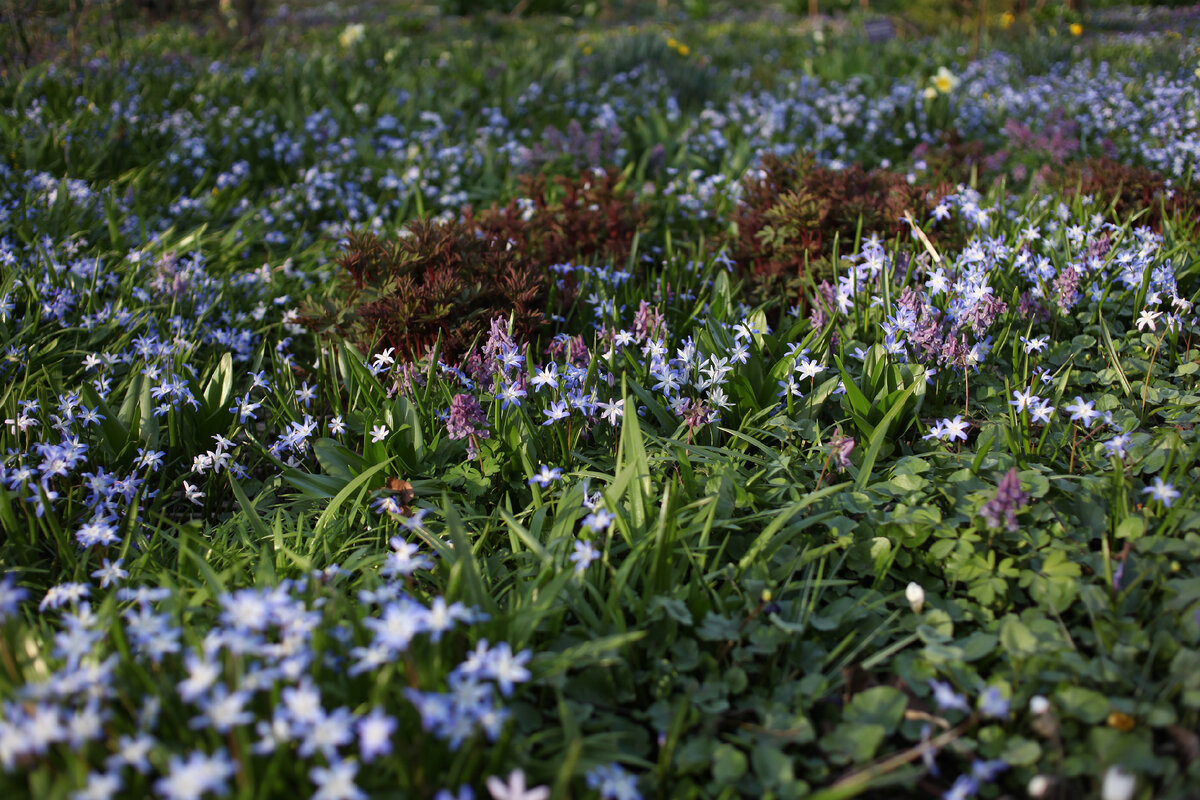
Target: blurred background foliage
[34, 30]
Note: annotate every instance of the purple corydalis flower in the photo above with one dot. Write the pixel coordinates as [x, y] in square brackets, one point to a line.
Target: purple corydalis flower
[467, 421]
[696, 415]
[925, 332]
[911, 300]
[824, 306]
[170, 279]
[840, 448]
[1099, 247]
[647, 322]
[1004, 505]
[927, 338]
[498, 338]
[571, 349]
[1029, 308]
[955, 352]
[981, 315]
[582, 147]
[1066, 288]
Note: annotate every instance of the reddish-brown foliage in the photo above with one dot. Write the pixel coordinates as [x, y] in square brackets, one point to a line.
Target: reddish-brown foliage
[1129, 189]
[793, 209]
[1046, 159]
[955, 160]
[589, 216]
[443, 280]
[449, 280]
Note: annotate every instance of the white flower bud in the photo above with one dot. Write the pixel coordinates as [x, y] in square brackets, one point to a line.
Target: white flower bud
[1038, 786]
[1118, 785]
[1038, 705]
[915, 596]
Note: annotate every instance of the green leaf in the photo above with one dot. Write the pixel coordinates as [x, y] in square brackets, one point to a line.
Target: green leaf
[465, 578]
[249, 510]
[337, 460]
[729, 764]
[116, 434]
[316, 487]
[633, 469]
[908, 482]
[1016, 638]
[522, 533]
[601, 651]
[673, 607]
[879, 705]
[1131, 528]
[772, 766]
[878, 437]
[854, 741]
[7, 504]
[978, 645]
[1021, 752]
[855, 399]
[781, 518]
[719, 628]
[1113, 358]
[1085, 705]
[218, 389]
[337, 502]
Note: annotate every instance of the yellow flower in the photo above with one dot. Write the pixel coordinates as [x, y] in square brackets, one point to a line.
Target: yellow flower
[945, 81]
[1122, 722]
[683, 49]
[352, 34]
[671, 43]
[930, 92]
[1076, 29]
[1006, 20]
[587, 49]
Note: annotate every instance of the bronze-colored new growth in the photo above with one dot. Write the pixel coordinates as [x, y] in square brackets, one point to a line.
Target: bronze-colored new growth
[441, 280]
[448, 280]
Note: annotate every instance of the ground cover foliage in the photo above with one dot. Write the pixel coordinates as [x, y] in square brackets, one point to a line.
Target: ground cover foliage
[688, 411]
